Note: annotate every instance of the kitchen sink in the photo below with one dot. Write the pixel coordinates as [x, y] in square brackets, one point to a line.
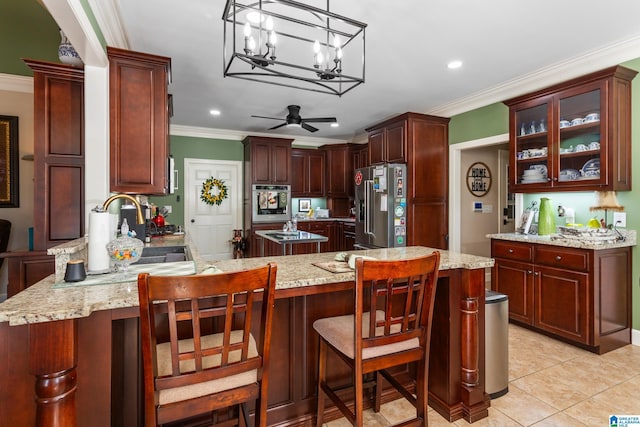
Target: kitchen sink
[162, 254]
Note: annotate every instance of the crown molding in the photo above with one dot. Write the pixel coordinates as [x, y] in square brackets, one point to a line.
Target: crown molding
[595, 60]
[13, 83]
[211, 133]
[108, 15]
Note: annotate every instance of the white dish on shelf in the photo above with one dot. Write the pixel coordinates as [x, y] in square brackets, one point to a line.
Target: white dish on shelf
[564, 124]
[541, 168]
[592, 117]
[591, 168]
[532, 181]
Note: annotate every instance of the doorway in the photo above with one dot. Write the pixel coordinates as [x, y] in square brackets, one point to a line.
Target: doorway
[463, 211]
[211, 226]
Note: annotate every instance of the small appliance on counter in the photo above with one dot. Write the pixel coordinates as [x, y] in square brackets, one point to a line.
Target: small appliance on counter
[381, 204]
[322, 213]
[128, 212]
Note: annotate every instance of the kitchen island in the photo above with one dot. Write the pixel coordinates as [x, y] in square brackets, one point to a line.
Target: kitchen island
[81, 343]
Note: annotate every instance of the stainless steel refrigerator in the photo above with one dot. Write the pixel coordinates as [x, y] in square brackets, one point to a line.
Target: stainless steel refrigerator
[381, 205]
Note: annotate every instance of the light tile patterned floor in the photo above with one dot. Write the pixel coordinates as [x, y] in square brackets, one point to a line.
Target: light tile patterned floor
[551, 384]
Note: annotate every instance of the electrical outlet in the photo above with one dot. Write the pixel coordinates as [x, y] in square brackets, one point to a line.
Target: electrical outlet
[168, 208]
[620, 219]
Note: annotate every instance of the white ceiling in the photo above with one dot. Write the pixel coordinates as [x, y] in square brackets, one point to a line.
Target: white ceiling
[508, 48]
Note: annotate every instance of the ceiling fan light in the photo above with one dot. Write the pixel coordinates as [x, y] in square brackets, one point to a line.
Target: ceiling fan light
[335, 125]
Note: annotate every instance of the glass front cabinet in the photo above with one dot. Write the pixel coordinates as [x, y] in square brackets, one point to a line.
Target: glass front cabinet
[574, 136]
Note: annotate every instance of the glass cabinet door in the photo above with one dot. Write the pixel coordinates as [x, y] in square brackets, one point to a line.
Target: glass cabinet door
[532, 149]
[581, 139]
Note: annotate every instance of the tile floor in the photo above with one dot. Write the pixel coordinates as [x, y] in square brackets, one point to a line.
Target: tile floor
[550, 384]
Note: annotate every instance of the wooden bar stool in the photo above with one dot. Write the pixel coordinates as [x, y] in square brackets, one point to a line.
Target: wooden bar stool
[391, 326]
[211, 360]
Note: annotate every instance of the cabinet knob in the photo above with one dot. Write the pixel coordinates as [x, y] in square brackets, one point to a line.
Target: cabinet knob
[529, 271]
[193, 220]
[558, 257]
[536, 274]
[510, 251]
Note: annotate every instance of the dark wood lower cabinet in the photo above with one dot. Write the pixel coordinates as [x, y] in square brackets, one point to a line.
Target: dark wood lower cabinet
[582, 296]
[26, 268]
[108, 370]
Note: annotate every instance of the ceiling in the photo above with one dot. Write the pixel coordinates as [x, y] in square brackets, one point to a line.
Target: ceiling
[507, 48]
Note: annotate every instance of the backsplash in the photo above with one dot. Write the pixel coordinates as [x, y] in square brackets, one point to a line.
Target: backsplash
[579, 201]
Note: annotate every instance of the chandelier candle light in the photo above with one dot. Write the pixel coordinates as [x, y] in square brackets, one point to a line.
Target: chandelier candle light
[318, 50]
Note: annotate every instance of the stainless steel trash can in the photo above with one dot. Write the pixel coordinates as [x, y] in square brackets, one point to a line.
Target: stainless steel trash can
[496, 343]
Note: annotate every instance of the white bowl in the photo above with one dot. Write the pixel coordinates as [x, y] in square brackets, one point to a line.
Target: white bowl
[576, 121]
[564, 124]
[593, 117]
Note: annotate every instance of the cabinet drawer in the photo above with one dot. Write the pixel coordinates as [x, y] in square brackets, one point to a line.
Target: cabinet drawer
[512, 250]
[554, 256]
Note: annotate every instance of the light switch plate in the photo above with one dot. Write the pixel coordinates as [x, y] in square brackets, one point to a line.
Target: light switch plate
[620, 219]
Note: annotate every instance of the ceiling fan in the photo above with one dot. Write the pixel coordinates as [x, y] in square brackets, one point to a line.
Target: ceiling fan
[293, 119]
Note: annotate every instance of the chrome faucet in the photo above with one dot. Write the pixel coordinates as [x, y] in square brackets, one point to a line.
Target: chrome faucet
[139, 216]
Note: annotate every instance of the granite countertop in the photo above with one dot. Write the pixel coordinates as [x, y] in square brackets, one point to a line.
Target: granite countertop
[560, 240]
[42, 303]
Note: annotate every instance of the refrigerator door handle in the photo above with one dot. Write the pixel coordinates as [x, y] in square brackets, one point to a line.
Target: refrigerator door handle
[368, 189]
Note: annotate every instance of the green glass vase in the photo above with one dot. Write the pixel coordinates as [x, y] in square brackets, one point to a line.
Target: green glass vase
[546, 218]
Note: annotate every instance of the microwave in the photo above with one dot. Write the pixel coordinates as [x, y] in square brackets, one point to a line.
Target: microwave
[271, 203]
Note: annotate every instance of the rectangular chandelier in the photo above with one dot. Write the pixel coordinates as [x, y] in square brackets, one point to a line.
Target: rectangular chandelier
[287, 43]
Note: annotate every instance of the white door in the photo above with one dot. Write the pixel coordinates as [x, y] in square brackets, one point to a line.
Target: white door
[211, 226]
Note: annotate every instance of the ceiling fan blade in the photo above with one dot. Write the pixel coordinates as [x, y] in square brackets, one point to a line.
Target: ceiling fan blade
[308, 127]
[272, 118]
[321, 120]
[279, 126]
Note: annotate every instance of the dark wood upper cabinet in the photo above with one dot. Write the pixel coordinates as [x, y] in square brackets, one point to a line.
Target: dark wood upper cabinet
[267, 160]
[338, 170]
[387, 144]
[59, 153]
[307, 173]
[139, 122]
[577, 133]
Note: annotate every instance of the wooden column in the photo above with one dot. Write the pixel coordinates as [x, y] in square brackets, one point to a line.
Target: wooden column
[53, 359]
[474, 399]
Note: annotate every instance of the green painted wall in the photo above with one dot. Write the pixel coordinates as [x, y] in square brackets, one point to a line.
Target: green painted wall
[195, 148]
[479, 123]
[26, 31]
[493, 120]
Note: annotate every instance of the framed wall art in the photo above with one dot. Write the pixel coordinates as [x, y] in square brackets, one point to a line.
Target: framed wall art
[304, 205]
[9, 176]
[479, 179]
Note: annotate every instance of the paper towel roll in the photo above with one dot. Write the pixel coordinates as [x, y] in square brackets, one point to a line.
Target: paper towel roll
[101, 232]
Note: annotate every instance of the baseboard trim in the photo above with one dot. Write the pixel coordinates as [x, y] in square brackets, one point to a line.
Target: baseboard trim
[635, 337]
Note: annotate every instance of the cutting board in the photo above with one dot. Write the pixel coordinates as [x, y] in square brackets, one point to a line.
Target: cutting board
[334, 266]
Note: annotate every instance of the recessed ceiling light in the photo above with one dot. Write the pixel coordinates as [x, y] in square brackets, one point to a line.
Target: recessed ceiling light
[214, 112]
[454, 64]
[335, 125]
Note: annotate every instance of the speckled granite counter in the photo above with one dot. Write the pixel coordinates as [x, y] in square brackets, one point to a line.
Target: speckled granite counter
[293, 272]
[559, 240]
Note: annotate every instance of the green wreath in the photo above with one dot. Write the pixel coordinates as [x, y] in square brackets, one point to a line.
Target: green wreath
[214, 199]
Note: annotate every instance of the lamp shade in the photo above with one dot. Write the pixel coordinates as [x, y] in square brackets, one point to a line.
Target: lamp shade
[606, 200]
